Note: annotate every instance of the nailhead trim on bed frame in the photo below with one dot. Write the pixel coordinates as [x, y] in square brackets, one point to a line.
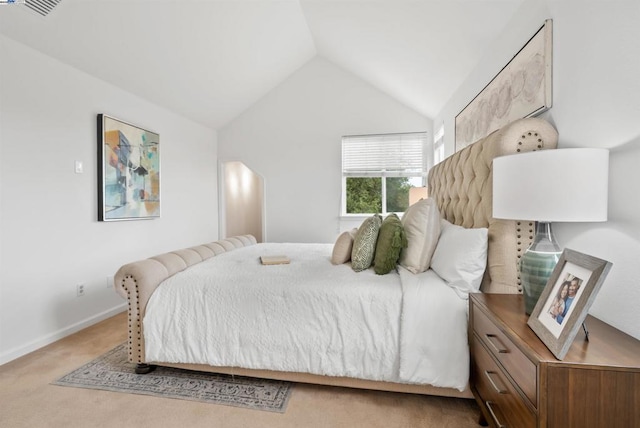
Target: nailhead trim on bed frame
[462, 188]
[539, 143]
[133, 311]
[162, 266]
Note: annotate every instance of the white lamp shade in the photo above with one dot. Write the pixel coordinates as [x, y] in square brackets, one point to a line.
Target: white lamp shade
[563, 185]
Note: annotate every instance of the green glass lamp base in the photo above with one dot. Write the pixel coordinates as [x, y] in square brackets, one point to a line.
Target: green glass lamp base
[537, 264]
[535, 270]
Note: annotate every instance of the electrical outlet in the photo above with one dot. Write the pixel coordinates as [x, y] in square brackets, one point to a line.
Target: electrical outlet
[109, 281]
[80, 290]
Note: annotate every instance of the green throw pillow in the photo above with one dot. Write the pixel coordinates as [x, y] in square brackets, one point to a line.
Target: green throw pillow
[391, 240]
[364, 244]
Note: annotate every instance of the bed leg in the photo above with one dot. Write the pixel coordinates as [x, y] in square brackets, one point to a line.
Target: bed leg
[142, 368]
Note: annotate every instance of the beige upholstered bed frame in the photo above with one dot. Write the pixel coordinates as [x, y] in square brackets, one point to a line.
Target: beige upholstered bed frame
[461, 186]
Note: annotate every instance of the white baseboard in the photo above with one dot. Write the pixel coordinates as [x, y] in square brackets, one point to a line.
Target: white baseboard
[19, 351]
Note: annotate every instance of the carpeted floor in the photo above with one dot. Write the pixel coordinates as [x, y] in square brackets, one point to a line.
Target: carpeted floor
[112, 372]
[29, 400]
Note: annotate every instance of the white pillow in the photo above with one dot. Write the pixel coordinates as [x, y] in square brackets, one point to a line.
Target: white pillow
[460, 257]
[421, 224]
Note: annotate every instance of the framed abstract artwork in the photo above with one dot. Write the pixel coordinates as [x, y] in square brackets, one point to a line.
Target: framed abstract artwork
[128, 171]
[521, 89]
[566, 299]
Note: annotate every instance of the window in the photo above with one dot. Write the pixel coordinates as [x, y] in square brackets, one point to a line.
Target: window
[438, 145]
[379, 170]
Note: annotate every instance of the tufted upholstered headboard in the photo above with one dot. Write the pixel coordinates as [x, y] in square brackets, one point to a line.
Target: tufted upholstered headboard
[462, 186]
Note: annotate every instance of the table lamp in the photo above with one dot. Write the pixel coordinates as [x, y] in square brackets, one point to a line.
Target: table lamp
[563, 185]
[417, 193]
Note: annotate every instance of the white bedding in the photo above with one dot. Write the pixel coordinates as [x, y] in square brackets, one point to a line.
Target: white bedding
[307, 316]
[434, 346]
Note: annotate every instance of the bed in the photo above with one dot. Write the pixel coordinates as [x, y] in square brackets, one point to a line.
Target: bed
[215, 307]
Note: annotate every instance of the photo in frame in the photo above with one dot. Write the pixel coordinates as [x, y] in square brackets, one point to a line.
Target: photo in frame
[523, 88]
[566, 299]
[128, 171]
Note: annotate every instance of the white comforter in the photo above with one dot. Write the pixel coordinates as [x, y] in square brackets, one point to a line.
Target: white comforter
[309, 316]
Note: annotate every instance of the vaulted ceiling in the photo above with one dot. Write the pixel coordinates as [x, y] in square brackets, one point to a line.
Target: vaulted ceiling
[209, 60]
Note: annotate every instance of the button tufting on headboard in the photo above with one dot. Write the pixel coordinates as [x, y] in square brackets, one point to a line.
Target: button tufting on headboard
[462, 187]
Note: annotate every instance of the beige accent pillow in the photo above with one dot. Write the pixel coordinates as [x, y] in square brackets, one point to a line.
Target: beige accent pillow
[343, 246]
[421, 224]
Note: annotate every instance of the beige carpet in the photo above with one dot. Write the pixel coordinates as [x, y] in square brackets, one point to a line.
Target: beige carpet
[27, 399]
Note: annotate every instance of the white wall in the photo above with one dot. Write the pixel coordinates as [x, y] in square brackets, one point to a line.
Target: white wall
[292, 138]
[50, 237]
[596, 103]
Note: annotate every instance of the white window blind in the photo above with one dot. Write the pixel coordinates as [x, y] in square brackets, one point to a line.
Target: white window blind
[387, 155]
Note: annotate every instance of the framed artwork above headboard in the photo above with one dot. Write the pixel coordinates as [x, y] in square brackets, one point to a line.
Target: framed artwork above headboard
[521, 89]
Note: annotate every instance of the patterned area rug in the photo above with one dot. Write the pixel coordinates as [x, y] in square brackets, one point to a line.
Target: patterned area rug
[112, 372]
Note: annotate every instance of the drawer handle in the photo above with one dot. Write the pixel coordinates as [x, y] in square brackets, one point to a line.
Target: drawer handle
[499, 390]
[491, 338]
[493, 415]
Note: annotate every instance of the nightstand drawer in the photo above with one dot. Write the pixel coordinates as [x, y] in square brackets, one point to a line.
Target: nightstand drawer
[519, 367]
[502, 401]
[596, 385]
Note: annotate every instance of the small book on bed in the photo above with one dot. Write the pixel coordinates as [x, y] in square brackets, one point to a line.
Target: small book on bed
[275, 260]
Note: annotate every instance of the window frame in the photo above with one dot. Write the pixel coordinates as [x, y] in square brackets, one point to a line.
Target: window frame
[383, 174]
[438, 145]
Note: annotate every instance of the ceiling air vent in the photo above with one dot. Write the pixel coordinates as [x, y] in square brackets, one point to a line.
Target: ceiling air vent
[42, 7]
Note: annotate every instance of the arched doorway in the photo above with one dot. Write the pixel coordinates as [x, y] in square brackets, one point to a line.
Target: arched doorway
[241, 201]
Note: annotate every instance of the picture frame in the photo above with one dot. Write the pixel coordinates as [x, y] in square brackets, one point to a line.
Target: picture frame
[566, 299]
[128, 171]
[522, 88]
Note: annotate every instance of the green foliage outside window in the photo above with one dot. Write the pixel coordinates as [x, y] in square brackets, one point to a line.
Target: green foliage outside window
[397, 194]
[364, 194]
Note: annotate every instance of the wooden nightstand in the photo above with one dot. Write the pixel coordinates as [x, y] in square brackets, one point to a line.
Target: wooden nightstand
[518, 383]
